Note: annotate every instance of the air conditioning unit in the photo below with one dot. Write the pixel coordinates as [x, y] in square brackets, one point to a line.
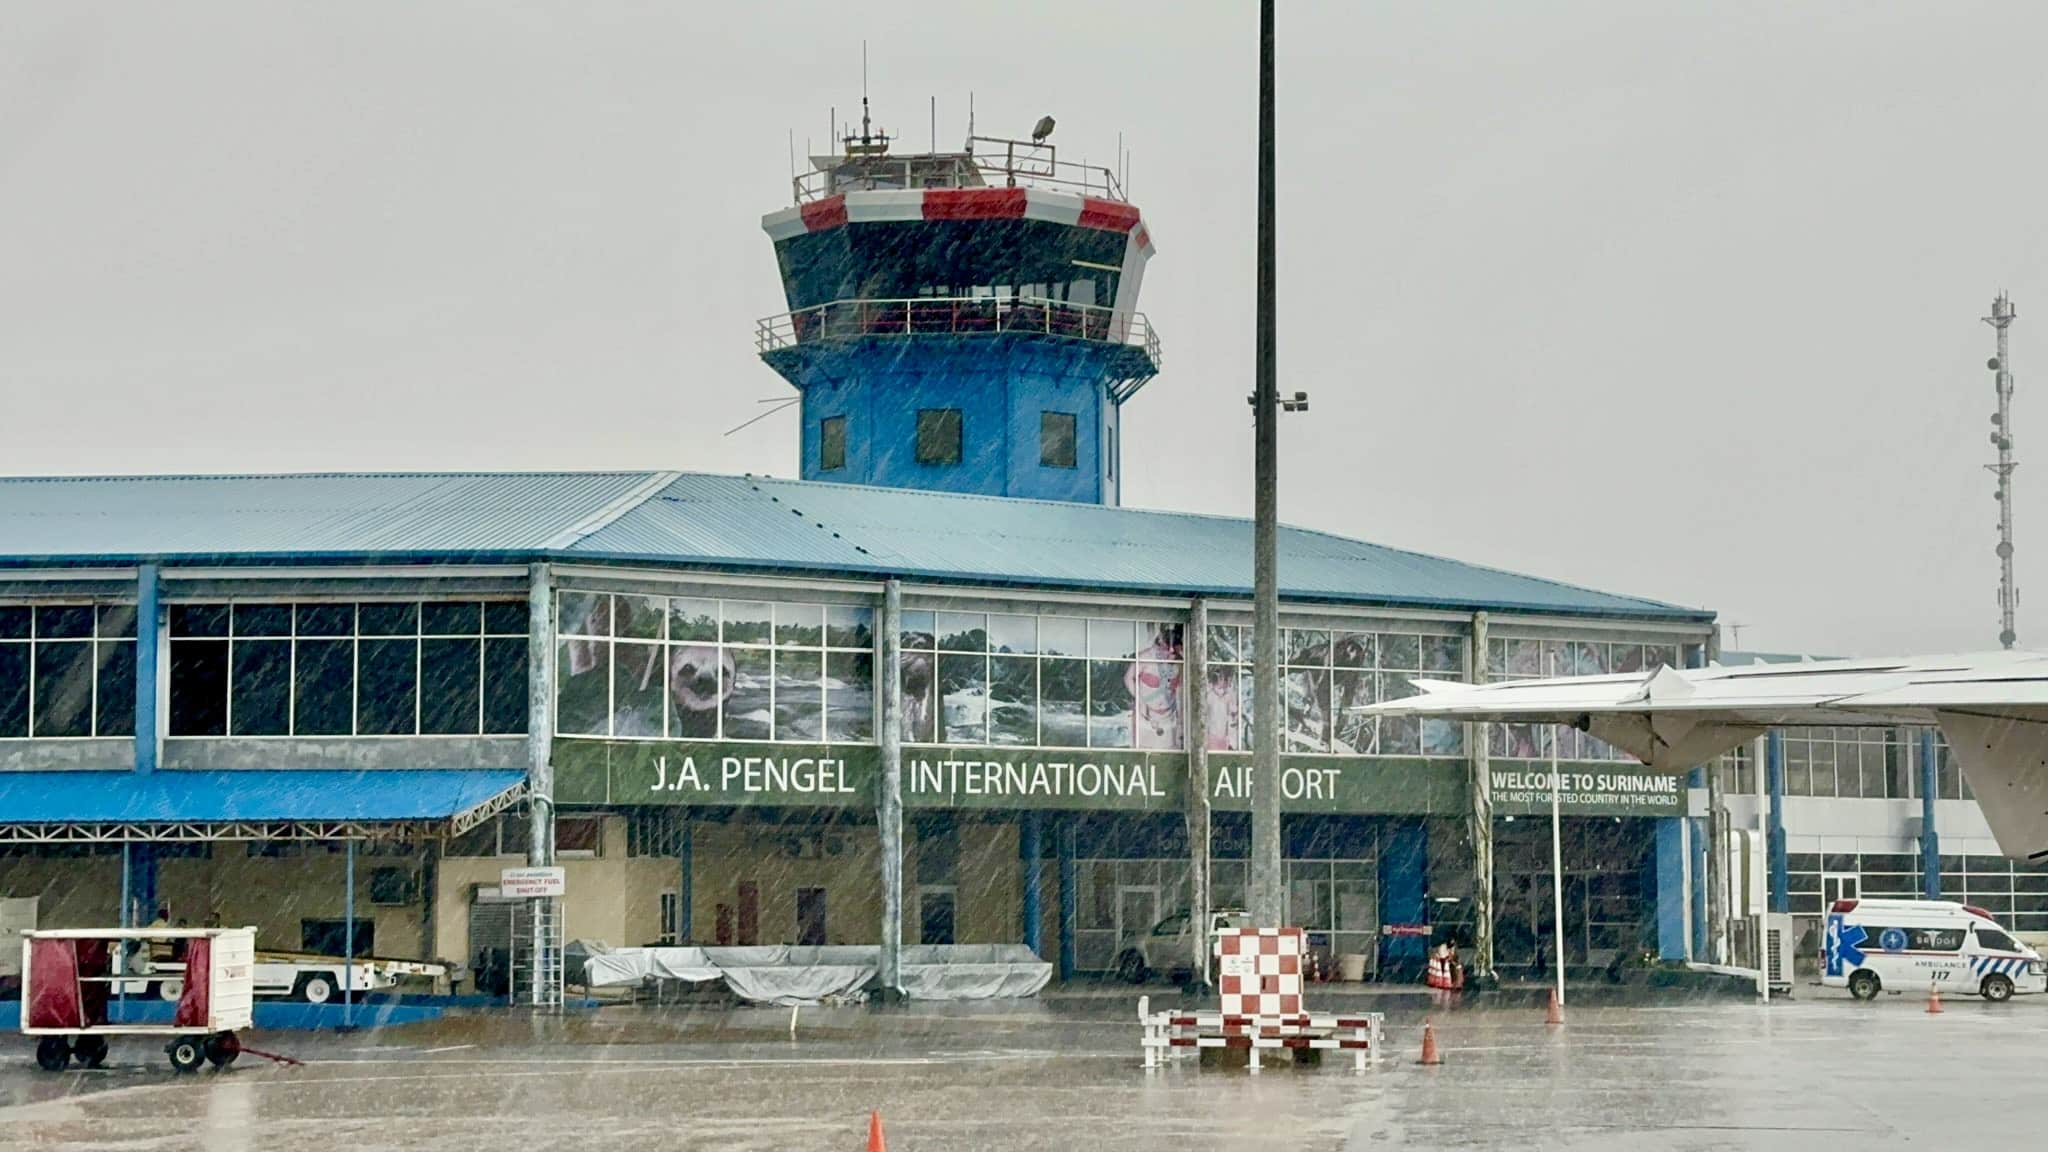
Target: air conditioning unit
[1780, 945]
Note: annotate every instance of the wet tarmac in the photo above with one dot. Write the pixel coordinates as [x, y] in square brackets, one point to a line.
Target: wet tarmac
[1814, 1072]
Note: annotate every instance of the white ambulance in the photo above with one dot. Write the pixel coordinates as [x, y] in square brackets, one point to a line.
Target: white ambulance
[1872, 946]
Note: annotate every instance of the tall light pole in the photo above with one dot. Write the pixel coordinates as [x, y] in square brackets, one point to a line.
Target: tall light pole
[1267, 891]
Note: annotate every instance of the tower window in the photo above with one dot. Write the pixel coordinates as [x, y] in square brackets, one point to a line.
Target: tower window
[1056, 439]
[832, 443]
[938, 436]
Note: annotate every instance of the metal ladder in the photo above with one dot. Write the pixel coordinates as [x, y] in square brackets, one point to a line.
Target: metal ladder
[544, 984]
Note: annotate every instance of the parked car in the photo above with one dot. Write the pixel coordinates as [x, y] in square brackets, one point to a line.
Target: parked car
[1166, 948]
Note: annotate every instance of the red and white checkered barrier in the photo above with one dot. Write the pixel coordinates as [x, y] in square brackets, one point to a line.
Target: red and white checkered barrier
[1258, 972]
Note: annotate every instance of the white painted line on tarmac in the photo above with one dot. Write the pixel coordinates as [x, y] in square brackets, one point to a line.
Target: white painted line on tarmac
[450, 1048]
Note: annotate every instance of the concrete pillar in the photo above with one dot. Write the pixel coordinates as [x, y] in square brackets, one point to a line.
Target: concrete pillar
[686, 880]
[1030, 846]
[1714, 855]
[348, 936]
[545, 913]
[1781, 872]
[149, 664]
[1930, 839]
[889, 799]
[1195, 681]
[1696, 836]
[1070, 896]
[1479, 819]
[1671, 917]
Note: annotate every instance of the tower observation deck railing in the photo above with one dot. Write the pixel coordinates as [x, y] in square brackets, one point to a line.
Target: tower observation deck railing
[991, 162]
[958, 316]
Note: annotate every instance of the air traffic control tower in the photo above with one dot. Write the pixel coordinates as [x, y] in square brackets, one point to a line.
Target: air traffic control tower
[961, 321]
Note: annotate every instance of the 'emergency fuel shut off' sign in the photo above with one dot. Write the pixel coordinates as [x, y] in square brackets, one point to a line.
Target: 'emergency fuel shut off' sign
[533, 883]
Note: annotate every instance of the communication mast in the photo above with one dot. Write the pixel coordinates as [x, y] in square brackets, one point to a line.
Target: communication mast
[2001, 436]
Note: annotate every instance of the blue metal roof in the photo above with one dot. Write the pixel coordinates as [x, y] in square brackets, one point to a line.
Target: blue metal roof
[744, 523]
[251, 795]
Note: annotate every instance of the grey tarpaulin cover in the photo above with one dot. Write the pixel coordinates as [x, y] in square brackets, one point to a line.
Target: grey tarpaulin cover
[779, 974]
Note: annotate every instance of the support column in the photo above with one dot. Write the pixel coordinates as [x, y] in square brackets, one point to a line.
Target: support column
[1479, 819]
[686, 880]
[1070, 898]
[149, 663]
[1030, 847]
[546, 917]
[1671, 918]
[1781, 872]
[889, 801]
[1195, 678]
[1930, 839]
[348, 938]
[430, 909]
[1696, 834]
[1715, 845]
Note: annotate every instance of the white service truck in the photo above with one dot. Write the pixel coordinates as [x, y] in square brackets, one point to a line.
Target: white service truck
[293, 975]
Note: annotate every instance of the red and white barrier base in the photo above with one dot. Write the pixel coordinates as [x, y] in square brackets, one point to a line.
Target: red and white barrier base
[1169, 1033]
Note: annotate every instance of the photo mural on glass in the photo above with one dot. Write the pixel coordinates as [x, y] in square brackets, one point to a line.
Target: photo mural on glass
[1327, 676]
[690, 668]
[1523, 659]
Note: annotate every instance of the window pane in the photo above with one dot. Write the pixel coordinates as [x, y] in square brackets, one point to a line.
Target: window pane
[748, 622]
[263, 619]
[14, 663]
[919, 687]
[749, 709]
[800, 625]
[1056, 439]
[261, 688]
[1155, 683]
[116, 704]
[938, 436]
[1305, 647]
[850, 695]
[388, 619]
[697, 674]
[1109, 702]
[324, 687]
[1062, 636]
[1219, 709]
[64, 675]
[1352, 732]
[1443, 738]
[1013, 700]
[850, 626]
[16, 623]
[638, 690]
[199, 619]
[505, 618]
[65, 622]
[1354, 649]
[1444, 655]
[446, 619]
[199, 687]
[505, 701]
[1400, 651]
[1308, 710]
[450, 689]
[583, 614]
[1013, 634]
[639, 617]
[799, 695]
[1112, 639]
[1223, 644]
[918, 630]
[116, 620]
[1063, 705]
[832, 443]
[962, 632]
[963, 697]
[326, 619]
[387, 683]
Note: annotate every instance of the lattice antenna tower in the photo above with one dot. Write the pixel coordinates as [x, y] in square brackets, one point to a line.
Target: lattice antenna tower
[2001, 437]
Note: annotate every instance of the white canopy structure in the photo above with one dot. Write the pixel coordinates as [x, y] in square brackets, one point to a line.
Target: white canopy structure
[1992, 706]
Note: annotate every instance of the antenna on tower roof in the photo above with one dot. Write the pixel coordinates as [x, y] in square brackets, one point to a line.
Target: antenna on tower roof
[864, 133]
[970, 122]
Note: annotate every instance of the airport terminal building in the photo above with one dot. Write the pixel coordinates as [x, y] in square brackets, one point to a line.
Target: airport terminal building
[339, 706]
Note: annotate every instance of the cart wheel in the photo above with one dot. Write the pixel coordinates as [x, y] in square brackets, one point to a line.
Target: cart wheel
[90, 1051]
[316, 988]
[53, 1053]
[187, 1053]
[222, 1048]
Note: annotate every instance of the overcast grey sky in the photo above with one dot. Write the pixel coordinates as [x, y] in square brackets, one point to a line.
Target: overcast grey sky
[1675, 300]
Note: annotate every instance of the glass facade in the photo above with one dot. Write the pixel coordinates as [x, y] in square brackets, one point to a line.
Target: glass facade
[689, 668]
[375, 668]
[67, 671]
[1525, 659]
[1327, 674]
[1852, 763]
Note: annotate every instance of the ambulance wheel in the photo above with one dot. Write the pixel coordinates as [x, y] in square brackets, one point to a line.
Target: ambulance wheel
[222, 1048]
[315, 988]
[1997, 988]
[90, 1051]
[53, 1053]
[1130, 967]
[1864, 985]
[187, 1053]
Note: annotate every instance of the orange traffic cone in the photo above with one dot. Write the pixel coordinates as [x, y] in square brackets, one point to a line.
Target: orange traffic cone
[1556, 1013]
[1429, 1053]
[1933, 999]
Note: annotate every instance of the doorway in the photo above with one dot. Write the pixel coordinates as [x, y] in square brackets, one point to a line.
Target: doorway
[810, 916]
[935, 913]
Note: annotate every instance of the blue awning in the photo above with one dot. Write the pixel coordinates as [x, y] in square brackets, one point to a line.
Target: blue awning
[253, 796]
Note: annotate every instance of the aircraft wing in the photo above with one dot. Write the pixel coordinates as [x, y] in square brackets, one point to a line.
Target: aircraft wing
[1991, 706]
